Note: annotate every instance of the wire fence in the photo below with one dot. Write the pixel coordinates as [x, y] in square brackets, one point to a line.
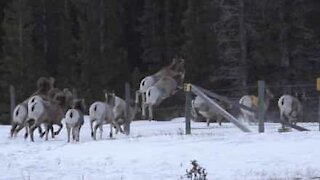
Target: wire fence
[310, 102]
[174, 106]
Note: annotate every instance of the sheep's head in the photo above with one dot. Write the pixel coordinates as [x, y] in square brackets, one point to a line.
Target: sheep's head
[63, 98]
[53, 92]
[60, 98]
[79, 104]
[269, 94]
[301, 96]
[110, 97]
[44, 84]
[68, 97]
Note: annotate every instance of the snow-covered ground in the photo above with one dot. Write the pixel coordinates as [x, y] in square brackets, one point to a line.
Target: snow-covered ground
[161, 151]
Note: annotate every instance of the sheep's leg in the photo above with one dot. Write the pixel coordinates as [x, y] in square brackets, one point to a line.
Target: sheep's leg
[26, 133]
[60, 128]
[111, 130]
[96, 126]
[68, 133]
[143, 110]
[52, 132]
[282, 119]
[150, 108]
[101, 130]
[31, 130]
[41, 133]
[78, 133]
[13, 128]
[251, 120]
[91, 127]
[74, 133]
[118, 127]
[143, 105]
[219, 119]
[20, 126]
[137, 96]
[208, 122]
[115, 124]
[47, 128]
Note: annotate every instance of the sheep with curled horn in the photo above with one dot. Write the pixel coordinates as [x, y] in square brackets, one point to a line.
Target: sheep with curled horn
[203, 108]
[74, 119]
[48, 112]
[101, 113]
[164, 88]
[251, 101]
[20, 113]
[291, 109]
[175, 68]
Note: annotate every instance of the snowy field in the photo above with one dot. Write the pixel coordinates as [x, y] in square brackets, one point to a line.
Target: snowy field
[160, 151]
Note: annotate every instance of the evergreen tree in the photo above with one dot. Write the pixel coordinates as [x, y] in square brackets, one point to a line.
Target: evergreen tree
[200, 48]
[17, 49]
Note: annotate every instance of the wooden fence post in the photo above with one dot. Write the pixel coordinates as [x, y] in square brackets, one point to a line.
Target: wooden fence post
[127, 99]
[187, 89]
[319, 112]
[261, 109]
[12, 99]
[318, 89]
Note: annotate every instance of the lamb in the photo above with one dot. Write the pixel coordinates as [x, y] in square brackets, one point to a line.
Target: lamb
[201, 107]
[291, 109]
[19, 116]
[74, 119]
[48, 113]
[100, 113]
[175, 68]
[251, 101]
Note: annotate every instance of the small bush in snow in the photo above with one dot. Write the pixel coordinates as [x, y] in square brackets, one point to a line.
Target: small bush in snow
[196, 172]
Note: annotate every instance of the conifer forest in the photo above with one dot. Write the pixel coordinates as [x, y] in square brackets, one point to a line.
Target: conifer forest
[97, 45]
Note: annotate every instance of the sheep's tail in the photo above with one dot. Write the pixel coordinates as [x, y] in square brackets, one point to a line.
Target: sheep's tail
[17, 112]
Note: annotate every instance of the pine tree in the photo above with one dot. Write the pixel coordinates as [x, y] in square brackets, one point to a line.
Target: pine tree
[152, 32]
[199, 48]
[18, 50]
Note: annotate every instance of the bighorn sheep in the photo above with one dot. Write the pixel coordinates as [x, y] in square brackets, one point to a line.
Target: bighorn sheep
[164, 88]
[175, 68]
[74, 119]
[20, 113]
[201, 107]
[291, 109]
[48, 113]
[102, 113]
[120, 110]
[251, 101]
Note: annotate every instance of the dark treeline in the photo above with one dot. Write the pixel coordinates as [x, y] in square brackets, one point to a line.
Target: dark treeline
[93, 45]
